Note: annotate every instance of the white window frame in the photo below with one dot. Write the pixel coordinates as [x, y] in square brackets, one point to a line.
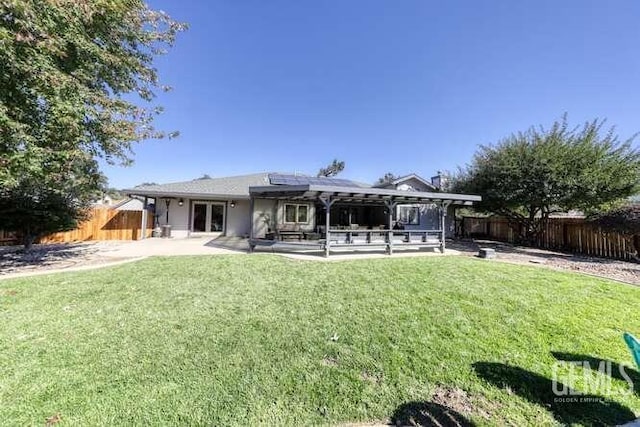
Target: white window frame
[402, 220]
[297, 215]
[208, 216]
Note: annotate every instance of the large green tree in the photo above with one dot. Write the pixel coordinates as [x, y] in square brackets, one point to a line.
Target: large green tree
[531, 175]
[77, 83]
[50, 199]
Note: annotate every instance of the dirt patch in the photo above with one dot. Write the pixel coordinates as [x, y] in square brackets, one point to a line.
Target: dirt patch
[454, 398]
[460, 401]
[329, 361]
[13, 259]
[611, 269]
[371, 377]
[54, 419]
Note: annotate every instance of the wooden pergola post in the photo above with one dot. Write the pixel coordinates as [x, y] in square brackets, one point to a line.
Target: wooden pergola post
[391, 205]
[327, 203]
[443, 221]
[143, 233]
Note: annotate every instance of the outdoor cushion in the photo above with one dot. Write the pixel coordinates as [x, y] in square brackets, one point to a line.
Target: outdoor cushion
[634, 346]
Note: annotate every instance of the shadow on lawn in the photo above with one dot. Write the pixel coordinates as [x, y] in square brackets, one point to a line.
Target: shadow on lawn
[615, 372]
[580, 409]
[428, 414]
[12, 257]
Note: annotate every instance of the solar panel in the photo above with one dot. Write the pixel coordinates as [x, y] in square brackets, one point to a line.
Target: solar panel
[280, 179]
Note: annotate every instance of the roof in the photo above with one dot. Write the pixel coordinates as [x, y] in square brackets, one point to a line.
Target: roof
[405, 178]
[275, 185]
[232, 186]
[360, 194]
[130, 204]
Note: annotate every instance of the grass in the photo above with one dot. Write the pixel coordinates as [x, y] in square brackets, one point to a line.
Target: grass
[263, 339]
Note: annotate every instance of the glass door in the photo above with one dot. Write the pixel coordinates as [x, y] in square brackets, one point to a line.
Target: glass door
[217, 218]
[208, 217]
[200, 217]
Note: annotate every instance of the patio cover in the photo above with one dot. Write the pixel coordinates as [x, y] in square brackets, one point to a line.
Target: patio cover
[328, 195]
[358, 194]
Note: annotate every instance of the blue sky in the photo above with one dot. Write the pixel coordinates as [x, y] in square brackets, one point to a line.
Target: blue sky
[400, 86]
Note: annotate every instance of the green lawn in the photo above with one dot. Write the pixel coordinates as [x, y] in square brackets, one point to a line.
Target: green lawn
[263, 339]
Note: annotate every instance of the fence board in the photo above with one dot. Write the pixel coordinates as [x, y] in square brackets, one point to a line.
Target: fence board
[8, 238]
[104, 224]
[574, 235]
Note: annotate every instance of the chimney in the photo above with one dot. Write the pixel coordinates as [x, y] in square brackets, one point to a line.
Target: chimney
[437, 180]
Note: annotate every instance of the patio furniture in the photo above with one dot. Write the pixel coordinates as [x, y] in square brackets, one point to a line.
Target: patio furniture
[289, 232]
[378, 237]
[634, 347]
[290, 235]
[416, 237]
[488, 253]
[399, 237]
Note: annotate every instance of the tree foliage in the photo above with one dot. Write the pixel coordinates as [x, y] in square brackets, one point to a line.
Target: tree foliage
[146, 184]
[531, 175]
[77, 83]
[624, 220]
[333, 169]
[51, 199]
[387, 178]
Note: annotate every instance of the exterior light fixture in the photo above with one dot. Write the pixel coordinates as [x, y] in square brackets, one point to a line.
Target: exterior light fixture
[180, 202]
[233, 204]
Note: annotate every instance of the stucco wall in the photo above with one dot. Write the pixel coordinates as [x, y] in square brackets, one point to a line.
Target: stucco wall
[429, 218]
[274, 211]
[178, 216]
[310, 226]
[238, 219]
[264, 216]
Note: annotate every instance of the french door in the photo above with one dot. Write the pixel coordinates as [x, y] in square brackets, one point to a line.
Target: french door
[208, 217]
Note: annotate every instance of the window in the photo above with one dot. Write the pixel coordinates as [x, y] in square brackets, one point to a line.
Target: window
[409, 215]
[296, 213]
[303, 213]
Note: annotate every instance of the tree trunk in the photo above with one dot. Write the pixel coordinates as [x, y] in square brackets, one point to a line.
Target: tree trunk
[27, 241]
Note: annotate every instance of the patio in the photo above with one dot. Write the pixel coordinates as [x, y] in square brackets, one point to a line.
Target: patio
[380, 234]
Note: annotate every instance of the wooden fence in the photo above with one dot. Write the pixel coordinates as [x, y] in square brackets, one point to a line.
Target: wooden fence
[105, 224]
[574, 235]
[8, 238]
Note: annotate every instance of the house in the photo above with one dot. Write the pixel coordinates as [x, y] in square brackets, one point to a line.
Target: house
[105, 200]
[274, 207]
[130, 204]
[417, 216]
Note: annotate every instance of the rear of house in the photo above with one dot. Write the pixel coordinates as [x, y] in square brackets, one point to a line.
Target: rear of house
[225, 206]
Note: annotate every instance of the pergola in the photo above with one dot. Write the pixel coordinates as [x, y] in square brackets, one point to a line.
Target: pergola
[328, 195]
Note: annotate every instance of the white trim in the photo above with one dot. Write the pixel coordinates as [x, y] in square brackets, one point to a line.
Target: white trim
[297, 205]
[416, 206]
[208, 215]
[413, 176]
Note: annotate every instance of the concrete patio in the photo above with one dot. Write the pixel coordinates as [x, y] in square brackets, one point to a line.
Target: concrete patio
[237, 245]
